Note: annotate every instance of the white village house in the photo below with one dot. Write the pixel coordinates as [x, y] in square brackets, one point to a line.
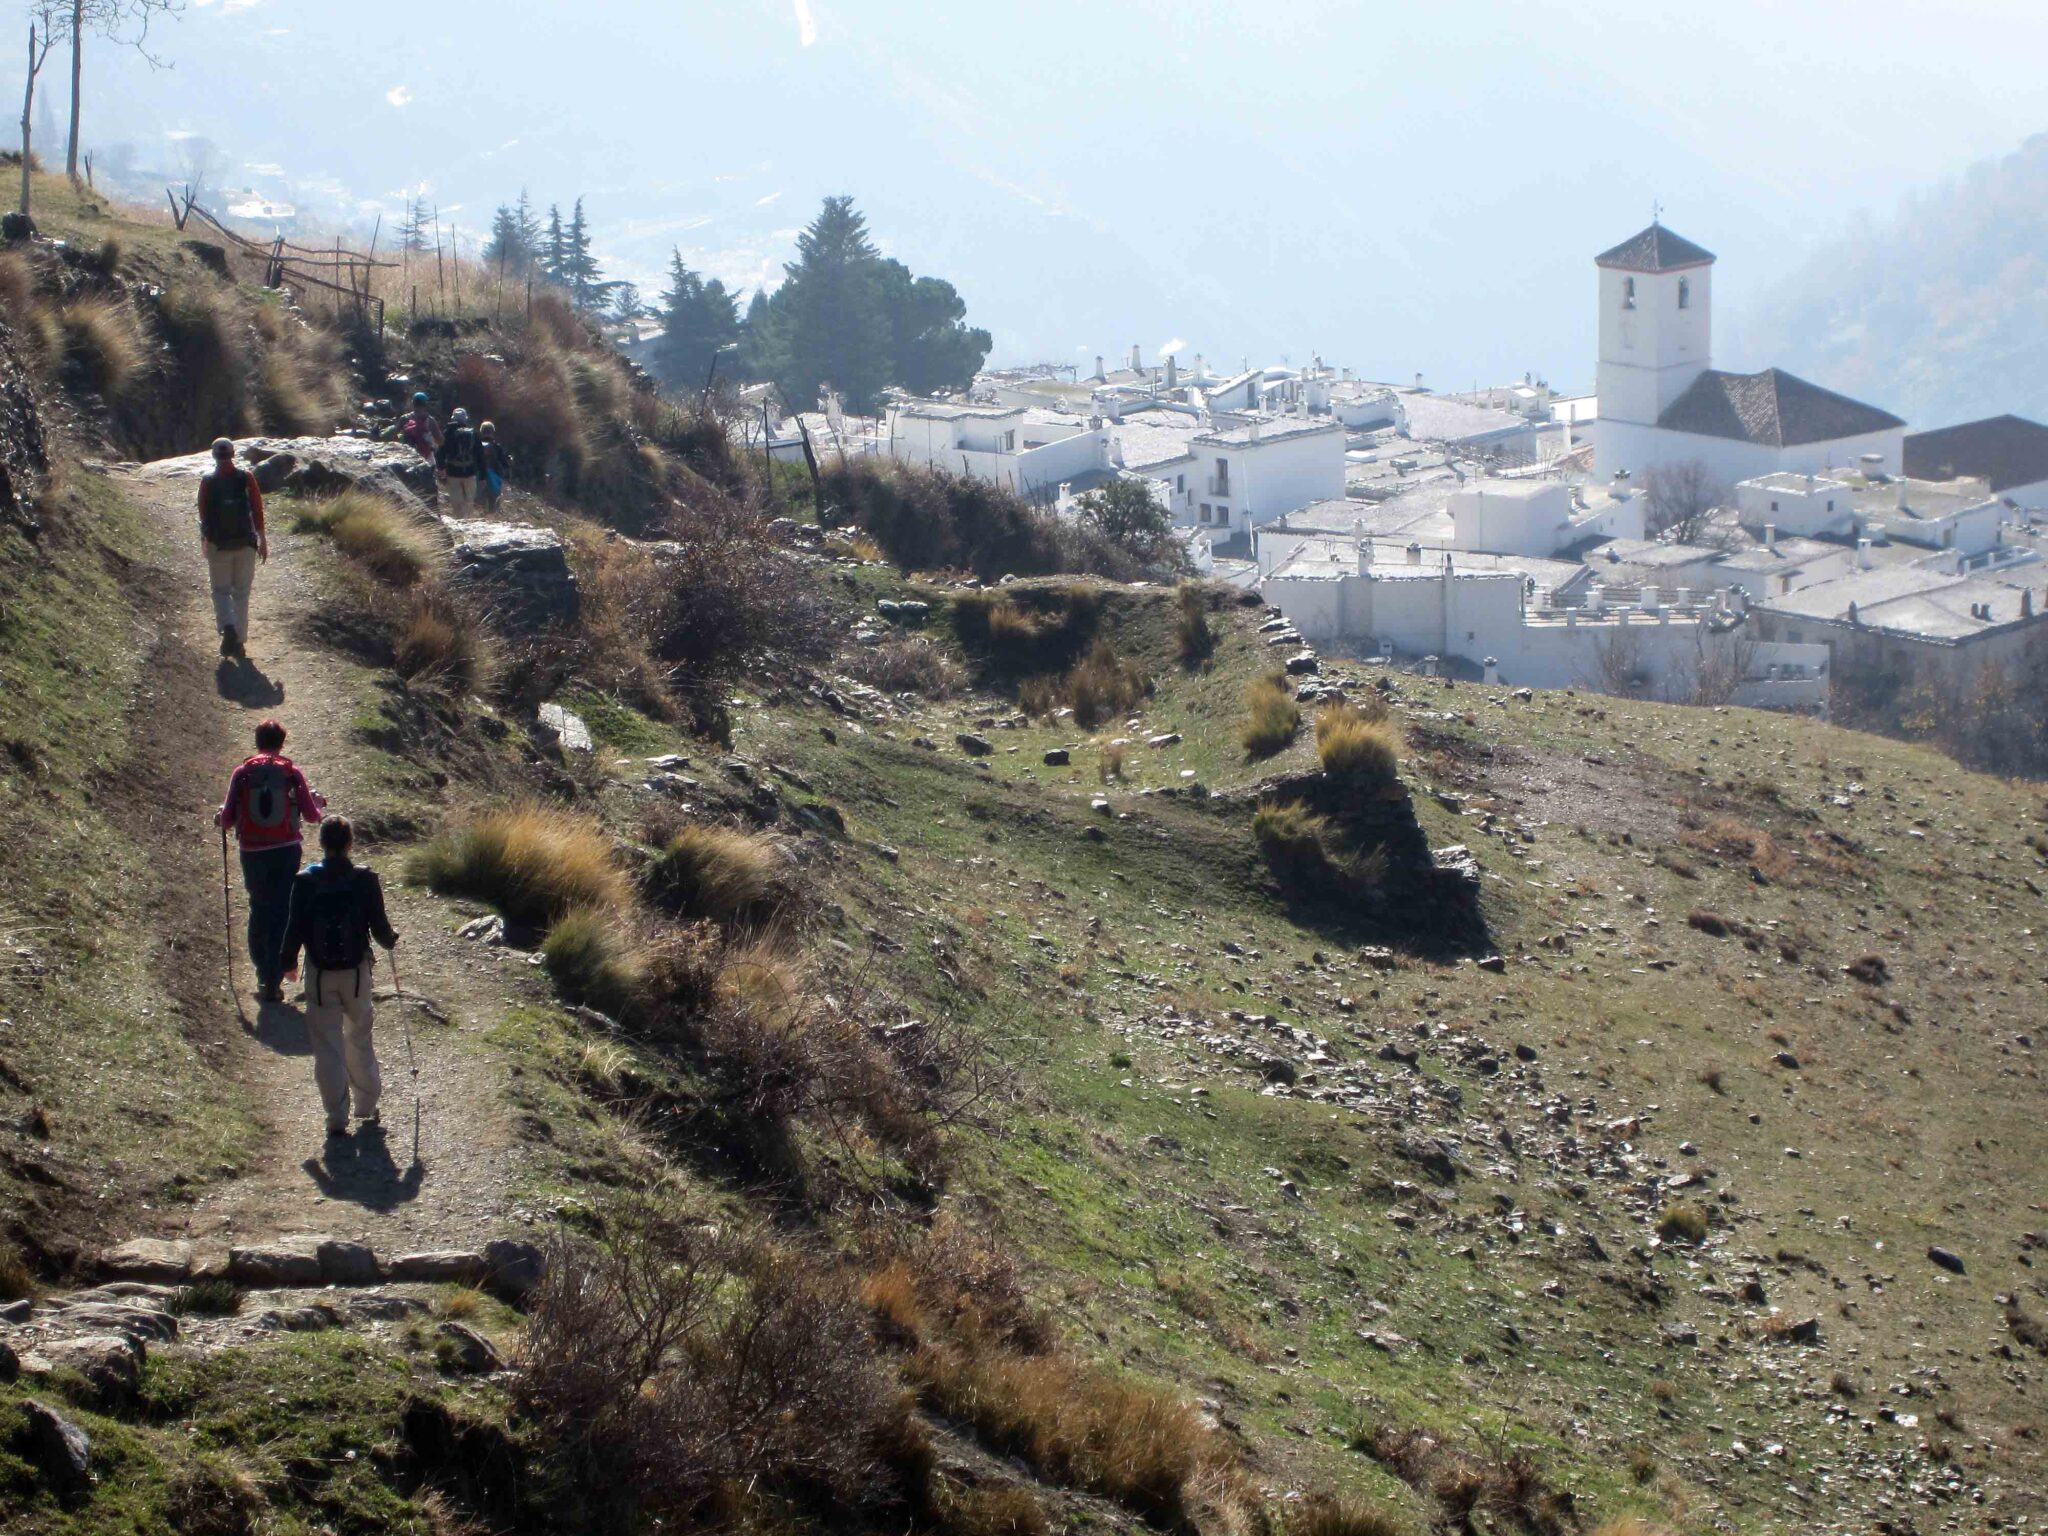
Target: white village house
[1031, 451]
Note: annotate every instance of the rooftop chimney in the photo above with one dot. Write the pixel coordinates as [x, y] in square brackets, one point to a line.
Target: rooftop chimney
[1365, 556]
[1863, 554]
[2026, 602]
[1172, 371]
[1771, 537]
[1137, 358]
[1099, 372]
[1415, 554]
[1418, 381]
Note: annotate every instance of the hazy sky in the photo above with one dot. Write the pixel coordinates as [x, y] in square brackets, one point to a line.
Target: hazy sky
[1398, 187]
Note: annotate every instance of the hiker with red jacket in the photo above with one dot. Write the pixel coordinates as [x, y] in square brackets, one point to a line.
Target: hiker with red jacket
[337, 907]
[231, 537]
[268, 798]
[419, 428]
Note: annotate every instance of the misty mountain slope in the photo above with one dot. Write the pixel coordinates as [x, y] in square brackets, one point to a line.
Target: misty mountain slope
[1941, 311]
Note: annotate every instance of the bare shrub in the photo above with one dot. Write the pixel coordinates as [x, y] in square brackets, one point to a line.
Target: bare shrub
[676, 1364]
[1109, 763]
[1502, 1485]
[732, 596]
[1683, 1223]
[1328, 1515]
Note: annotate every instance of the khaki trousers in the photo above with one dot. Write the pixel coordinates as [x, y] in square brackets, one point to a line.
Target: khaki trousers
[339, 1013]
[233, 572]
[462, 497]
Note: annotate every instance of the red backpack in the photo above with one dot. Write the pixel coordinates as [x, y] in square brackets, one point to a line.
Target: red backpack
[267, 811]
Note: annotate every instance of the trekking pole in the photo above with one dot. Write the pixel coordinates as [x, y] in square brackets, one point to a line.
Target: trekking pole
[227, 927]
[412, 1062]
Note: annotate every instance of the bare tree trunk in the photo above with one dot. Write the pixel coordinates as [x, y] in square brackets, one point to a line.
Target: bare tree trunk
[28, 100]
[77, 68]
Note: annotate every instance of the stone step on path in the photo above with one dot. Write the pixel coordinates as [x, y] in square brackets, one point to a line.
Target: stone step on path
[507, 1267]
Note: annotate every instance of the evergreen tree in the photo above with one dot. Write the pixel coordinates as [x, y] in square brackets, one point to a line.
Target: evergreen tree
[530, 232]
[554, 248]
[834, 330]
[761, 351]
[412, 229]
[698, 318]
[581, 274]
[507, 251]
[930, 349]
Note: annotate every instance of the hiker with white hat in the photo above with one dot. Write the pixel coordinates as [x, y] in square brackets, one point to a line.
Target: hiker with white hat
[460, 462]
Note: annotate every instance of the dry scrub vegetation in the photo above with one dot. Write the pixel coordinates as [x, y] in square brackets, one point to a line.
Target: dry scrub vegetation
[1272, 717]
[1358, 743]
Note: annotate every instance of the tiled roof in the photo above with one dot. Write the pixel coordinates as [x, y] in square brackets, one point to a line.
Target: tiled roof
[1773, 408]
[1655, 249]
[2006, 450]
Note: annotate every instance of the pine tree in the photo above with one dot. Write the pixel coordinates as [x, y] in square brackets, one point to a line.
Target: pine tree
[581, 273]
[554, 260]
[835, 332]
[413, 228]
[530, 232]
[698, 318]
[506, 251]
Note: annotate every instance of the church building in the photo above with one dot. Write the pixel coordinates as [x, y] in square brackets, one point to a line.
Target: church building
[1662, 402]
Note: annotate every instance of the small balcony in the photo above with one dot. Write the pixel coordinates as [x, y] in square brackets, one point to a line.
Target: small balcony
[1219, 485]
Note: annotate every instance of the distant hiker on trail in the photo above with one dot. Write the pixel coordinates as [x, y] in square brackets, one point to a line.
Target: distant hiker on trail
[496, 463]
[420, 429]
[231, 537]
[268, 797]
[336, 908]
[460, 462]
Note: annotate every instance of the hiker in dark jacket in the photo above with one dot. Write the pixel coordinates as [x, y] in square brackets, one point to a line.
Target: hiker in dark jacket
[460, 463]
[336, 909]
[267, 800]
[231, 537]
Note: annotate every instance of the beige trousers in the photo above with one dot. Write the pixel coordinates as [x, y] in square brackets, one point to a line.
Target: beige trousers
[339, 1013]
[233, 572]
[462, 494]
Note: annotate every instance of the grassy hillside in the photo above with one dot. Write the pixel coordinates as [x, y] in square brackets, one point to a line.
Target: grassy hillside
[1000, 1122]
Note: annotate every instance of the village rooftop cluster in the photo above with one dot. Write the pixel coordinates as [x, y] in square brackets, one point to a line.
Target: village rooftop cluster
[1683, 532]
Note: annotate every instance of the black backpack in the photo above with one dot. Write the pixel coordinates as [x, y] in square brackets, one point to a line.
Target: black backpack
[458, 451]
[337, 928]
[231, 519]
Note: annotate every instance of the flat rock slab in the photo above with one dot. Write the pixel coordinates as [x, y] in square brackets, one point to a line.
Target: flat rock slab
[515, 1267]
[466, 1350]
[346, 1263]
[167, 1262]
[567, 727]
[314, 465]
[521, 569]
[137, 1322]
[447, 1265]
[296, 1263]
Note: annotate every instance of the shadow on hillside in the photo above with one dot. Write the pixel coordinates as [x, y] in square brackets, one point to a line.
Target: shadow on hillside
[360, 1170]
[243, 682]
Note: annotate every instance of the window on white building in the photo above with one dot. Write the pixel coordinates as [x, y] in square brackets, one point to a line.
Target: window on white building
[1206, 512]
[1009, 442]
[1628, 293]
[1684, 293]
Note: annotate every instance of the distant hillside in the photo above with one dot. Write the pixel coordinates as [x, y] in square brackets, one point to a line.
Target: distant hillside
[1939, 313]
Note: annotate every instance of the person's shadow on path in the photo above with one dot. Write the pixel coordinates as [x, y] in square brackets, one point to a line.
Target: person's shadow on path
[243, 682]
[282, 1028]
[360, 1170]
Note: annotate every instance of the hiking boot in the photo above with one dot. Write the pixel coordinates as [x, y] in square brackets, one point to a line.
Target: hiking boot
[270, 992]
[228, 643]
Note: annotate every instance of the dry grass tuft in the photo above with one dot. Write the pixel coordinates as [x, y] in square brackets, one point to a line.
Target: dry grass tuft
[440, 641]
[1110, 763]
[377, 533]
[16, 1278]
[1327, 1515]
[593, 958]
[533, 864]
[1290, 836]
[721, 874]
[1683, 1223]
[1353, 747]
[908, 664]
[210, 347]
[1274, 717]
[1194, 639]
[1102, 685]
[104, 348]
